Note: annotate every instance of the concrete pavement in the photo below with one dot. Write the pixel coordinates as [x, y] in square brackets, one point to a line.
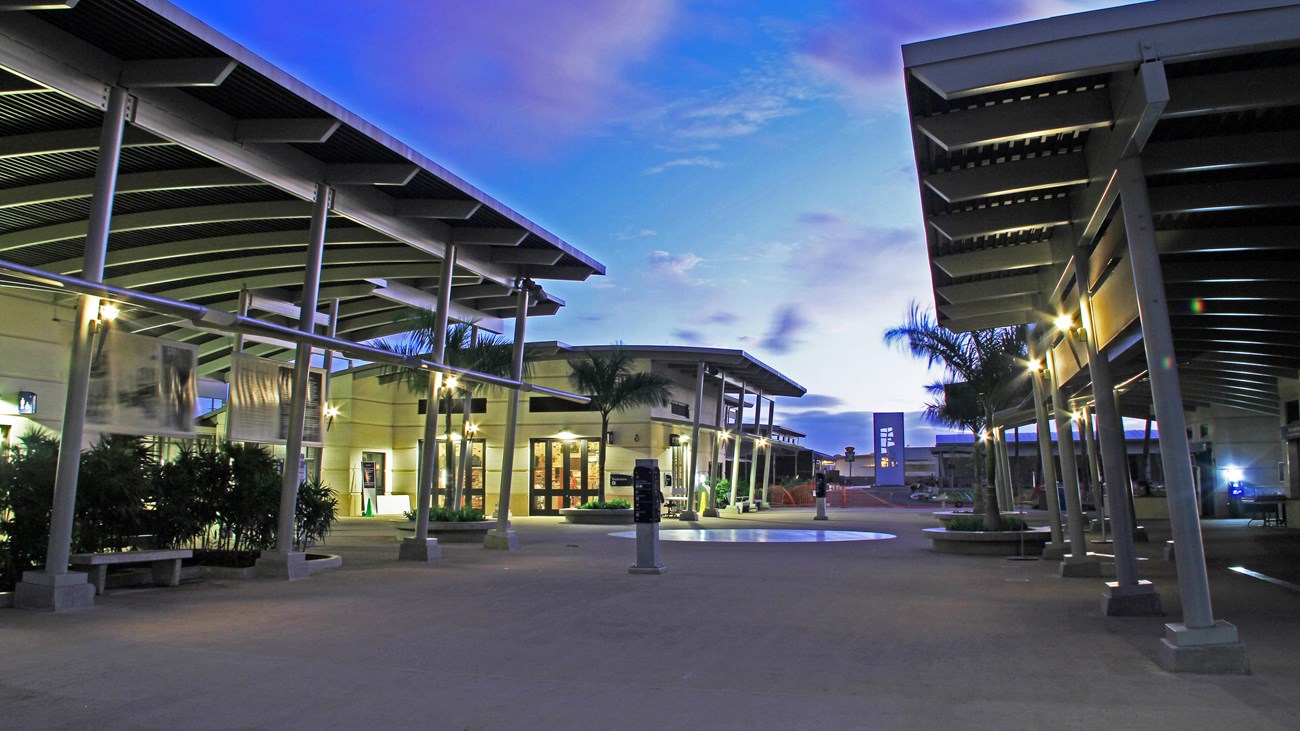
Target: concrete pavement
[843, 635]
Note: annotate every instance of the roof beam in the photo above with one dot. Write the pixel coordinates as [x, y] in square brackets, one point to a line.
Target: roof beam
[1224, 196]
[171, 72]
[1001, 319]
[990, 288]
[997, 259]
[398, 174]
[1222, 152]
[1009, 178]
[222, 244]
[292, 278]
[37, 4]
[167, 217]
[967, 310]
[300, 131]
[434, 208]
[71, 140]
[471, 291]
[190, 179]
[1211, 271]
[412, 297]
[470, 236]
[266, 263]
[1209, 290]
[1216, 240]
[502, 255]
[1005, 218]
[1234, 91]
[1037, 117]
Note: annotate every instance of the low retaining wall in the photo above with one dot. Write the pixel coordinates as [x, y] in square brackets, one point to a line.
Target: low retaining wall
[989, 543]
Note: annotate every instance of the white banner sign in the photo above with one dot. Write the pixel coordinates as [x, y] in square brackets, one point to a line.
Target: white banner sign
[141, 385]
[260, 392]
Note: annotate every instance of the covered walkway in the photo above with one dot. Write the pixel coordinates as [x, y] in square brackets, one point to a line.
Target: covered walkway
[881, 635]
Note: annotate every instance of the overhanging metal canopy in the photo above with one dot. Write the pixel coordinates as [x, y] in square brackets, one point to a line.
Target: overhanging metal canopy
[740, 367]
[222, 157]
[1017, 133]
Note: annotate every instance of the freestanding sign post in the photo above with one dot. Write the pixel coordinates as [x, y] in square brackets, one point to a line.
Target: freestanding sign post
[646, 500]
[819, 492]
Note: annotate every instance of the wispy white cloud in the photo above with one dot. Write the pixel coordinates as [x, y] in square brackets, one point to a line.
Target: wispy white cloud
[705, 162]
[674, 266]
[638, 233]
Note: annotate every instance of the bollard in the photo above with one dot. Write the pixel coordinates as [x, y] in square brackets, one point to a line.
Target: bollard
[646, 500]
[819, 491]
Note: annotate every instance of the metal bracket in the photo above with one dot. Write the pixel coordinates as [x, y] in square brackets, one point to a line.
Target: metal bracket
[1147, 48]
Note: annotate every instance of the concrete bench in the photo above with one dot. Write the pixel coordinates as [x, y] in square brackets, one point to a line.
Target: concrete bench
[166, 565]
[742, 504]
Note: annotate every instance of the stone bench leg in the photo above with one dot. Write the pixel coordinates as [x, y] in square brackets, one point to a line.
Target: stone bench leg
[95, 575]
[167, 573]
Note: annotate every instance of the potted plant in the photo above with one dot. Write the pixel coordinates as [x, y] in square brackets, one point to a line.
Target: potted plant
[461, 525]
[969, 536]
[600, 512]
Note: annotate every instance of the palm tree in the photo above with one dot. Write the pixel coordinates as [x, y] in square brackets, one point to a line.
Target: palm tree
[608, 378]
[466, 347]
[984, 369]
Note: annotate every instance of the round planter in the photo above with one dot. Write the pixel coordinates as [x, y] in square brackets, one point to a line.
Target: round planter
[617, 516]
[989, 543]
[943, 515]
[470, 531]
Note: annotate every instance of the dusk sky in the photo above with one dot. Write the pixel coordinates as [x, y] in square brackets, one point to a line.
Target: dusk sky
[742, 167]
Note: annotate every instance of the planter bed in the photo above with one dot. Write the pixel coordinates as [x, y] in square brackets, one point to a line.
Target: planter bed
[315, 562]
[988, 543]
[616, 516]
[469, 531]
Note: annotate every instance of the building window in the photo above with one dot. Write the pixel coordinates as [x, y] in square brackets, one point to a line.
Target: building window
[544, 404]
[476, 406]
[681, 410]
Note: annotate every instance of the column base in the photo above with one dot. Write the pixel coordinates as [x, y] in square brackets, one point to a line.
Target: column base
[688, 515]
[44, 592]
[1169, 550]
[820, 517]
[1080, 567]
[710, 512]
[1055, 551]
[290, 566]
[414, 549]
[1208, 650]
[1137, 600]
[498, 540]
[760, 505]
[655, 569]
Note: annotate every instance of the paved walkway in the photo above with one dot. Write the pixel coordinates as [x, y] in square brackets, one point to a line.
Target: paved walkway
[843, 635]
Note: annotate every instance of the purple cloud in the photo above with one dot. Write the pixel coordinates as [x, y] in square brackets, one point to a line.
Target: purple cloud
[786, 327]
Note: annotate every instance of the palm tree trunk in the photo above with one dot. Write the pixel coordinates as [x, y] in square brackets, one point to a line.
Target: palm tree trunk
[604, 447]
[992, 516]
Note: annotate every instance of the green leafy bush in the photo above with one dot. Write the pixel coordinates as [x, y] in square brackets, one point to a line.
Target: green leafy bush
[112, 487]
[722, 492]
[186, 493]
[26, 493]
[976, 523]
[615, 504]
[441, 514]
[247, 509]
[315, 513]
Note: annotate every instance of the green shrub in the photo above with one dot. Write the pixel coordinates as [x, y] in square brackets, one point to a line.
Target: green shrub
[112, 487]
[722, 492]
[441, 514]
[247, 509]
[976, 523]
[186, 493]
[26, 493]
[315, 513]
[615, 504]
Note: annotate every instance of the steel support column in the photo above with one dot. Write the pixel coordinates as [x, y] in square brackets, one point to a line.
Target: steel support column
[284, 562]
[1094, 466]
[1199, 642]
[767, 470]
[719, 446]
[1077, 562]
[688, 513]
[502, 538]
[53, 587]
[736, 441]
[1047, 460]
[421, 547]
[753, 455]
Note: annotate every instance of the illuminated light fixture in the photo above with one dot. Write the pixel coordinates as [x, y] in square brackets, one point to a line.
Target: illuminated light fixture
[1064, 323]
[724, 436]
[566, 436]
[1035, 365]
[330, 412]
[984, 436]
[762, 442]
[685, 439]
[452, 382]
[108, 311]
[1234, 474]
[471, 428]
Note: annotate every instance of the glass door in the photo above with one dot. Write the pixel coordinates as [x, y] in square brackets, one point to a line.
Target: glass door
[563, 474]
